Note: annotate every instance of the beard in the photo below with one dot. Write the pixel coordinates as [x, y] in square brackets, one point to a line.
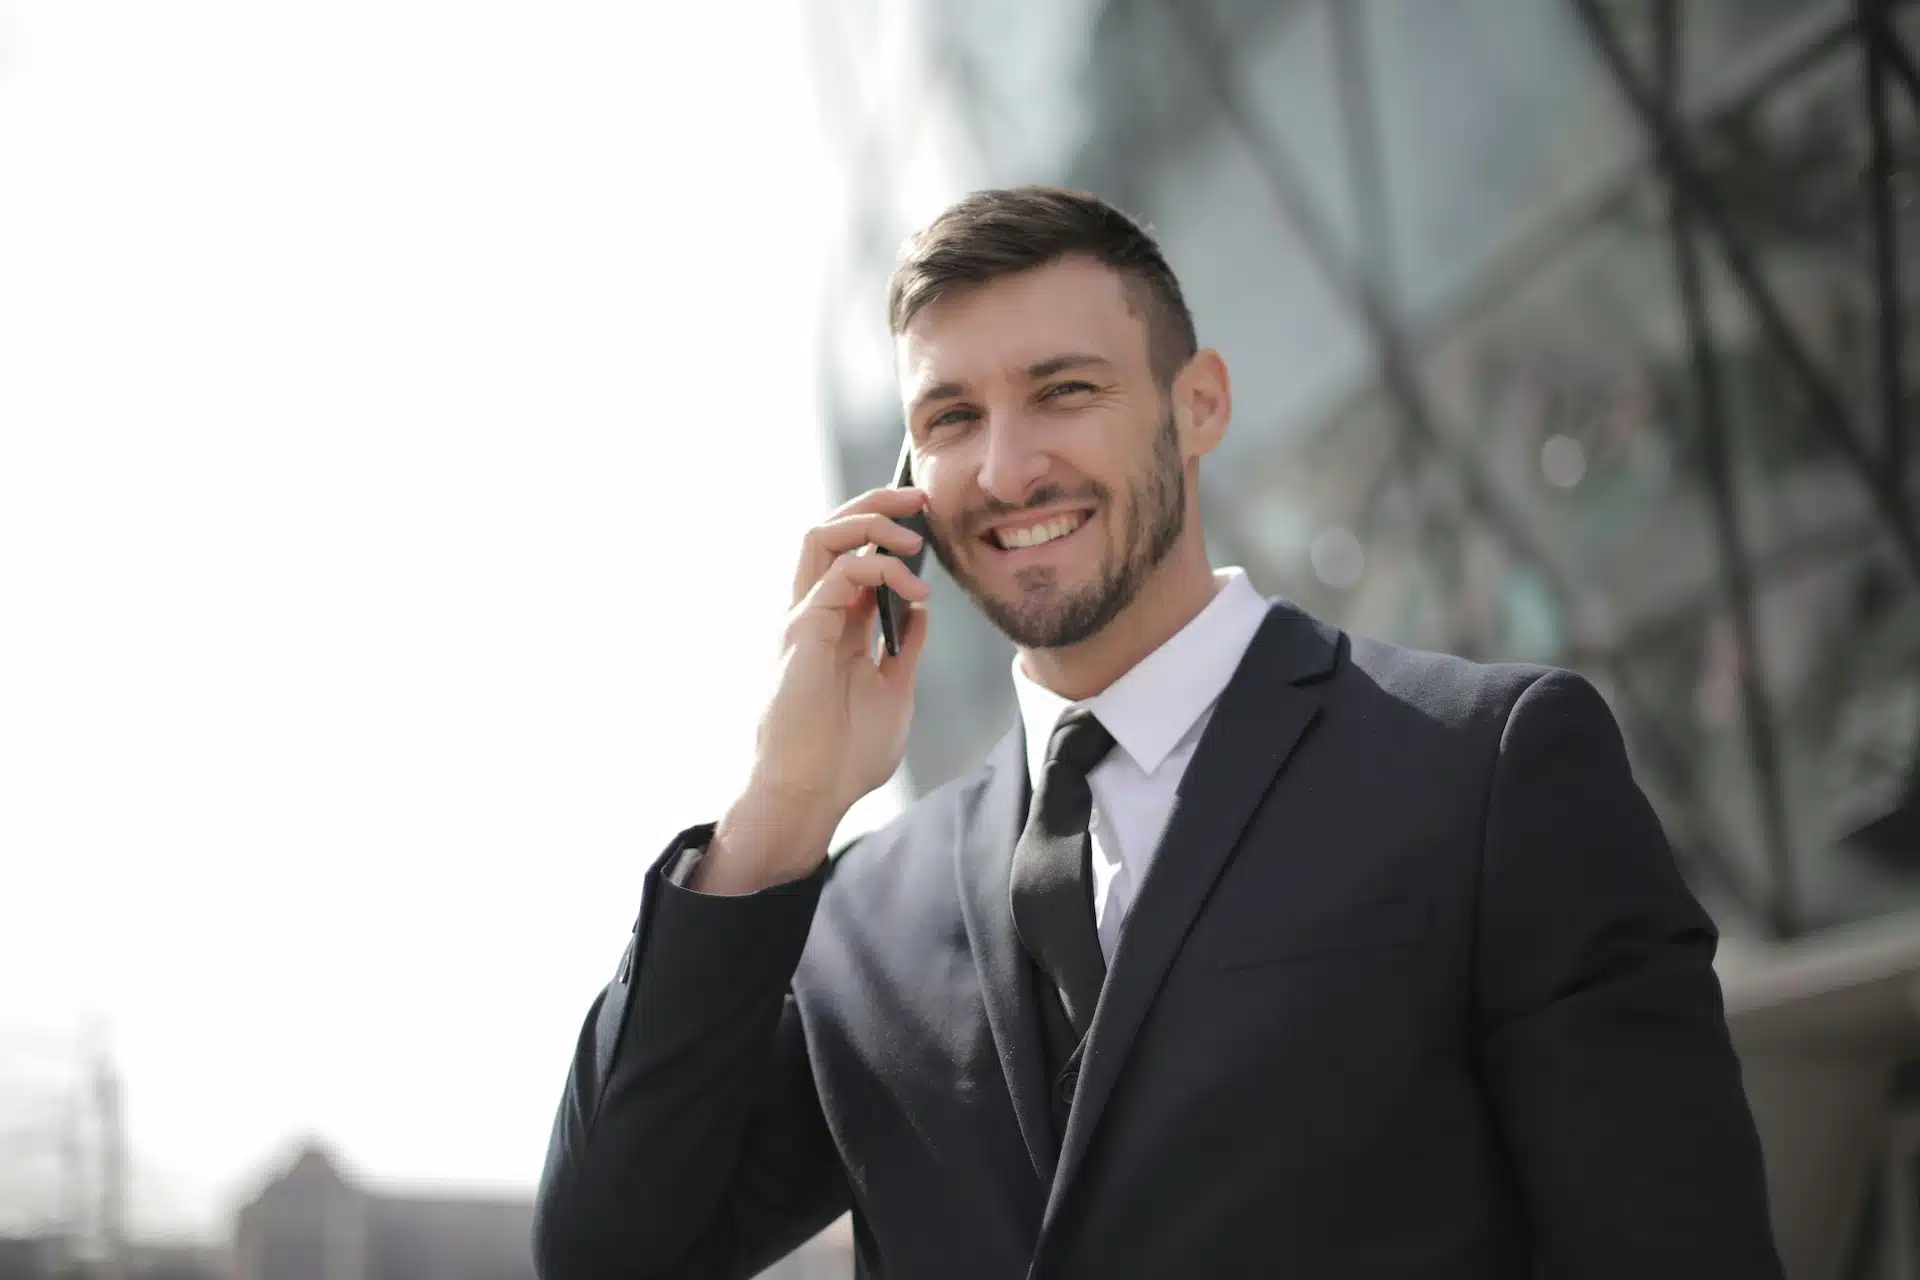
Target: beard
[1048, 615]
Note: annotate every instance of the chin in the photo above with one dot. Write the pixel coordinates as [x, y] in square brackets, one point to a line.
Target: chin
[1047, 617]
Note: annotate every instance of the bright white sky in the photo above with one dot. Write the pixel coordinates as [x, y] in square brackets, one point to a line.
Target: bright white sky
[407, 414]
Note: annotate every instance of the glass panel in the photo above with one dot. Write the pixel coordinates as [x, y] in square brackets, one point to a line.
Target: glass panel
[1334, 516]
[1570, 393]
[1288, 82]
[1150, 97]
[1256, 293]
[1026, 98]
[1842, 659]
[1493, 115]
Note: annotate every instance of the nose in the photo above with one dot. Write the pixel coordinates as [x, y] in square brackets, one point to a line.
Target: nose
[1012, 465]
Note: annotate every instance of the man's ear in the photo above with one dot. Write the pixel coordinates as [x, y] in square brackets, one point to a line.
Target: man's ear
[1202, 403]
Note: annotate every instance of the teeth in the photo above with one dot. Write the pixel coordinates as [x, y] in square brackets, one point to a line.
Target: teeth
[1060, 528]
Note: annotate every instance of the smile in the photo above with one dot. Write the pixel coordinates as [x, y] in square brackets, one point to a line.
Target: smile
[1015, 537]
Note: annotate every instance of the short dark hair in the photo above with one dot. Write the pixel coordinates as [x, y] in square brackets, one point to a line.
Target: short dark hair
[990, 234]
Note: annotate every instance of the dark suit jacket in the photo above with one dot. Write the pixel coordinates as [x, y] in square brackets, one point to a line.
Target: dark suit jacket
[1412, 988]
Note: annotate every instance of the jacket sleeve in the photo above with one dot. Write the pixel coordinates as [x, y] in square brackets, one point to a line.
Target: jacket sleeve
[1600, 1025]
[689, 1141]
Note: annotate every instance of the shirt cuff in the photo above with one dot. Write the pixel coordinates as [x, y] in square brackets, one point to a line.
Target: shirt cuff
[681, 868]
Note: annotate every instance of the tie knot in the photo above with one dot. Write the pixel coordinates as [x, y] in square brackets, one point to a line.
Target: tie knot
[1079, 741]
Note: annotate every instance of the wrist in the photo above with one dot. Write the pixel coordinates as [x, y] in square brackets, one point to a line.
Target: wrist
[765, 838]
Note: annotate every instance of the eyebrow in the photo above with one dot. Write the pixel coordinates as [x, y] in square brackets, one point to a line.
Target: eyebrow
[1060, 364]
[1036, 371]
[938, 391]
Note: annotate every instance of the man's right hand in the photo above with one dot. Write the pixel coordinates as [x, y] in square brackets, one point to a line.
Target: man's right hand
[835, 727]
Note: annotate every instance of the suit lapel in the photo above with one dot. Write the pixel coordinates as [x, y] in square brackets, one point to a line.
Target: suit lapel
[990, 823]
[1258, 720]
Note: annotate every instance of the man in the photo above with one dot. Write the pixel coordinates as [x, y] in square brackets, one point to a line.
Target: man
[1254, 949]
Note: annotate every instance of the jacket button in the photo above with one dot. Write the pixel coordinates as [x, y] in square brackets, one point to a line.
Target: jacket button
[1064, 1087]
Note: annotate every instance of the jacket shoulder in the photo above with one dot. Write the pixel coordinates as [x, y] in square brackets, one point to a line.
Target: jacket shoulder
[1454, 691]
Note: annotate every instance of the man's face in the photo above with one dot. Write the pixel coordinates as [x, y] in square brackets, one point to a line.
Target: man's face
[1053, 466]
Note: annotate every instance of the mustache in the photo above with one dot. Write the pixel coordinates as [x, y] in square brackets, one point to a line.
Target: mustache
[971, 522]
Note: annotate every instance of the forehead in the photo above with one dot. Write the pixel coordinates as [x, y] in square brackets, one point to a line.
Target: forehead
[1003, 326]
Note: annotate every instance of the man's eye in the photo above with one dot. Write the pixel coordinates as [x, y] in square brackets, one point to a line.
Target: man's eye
[949, 417]
[1059, 389]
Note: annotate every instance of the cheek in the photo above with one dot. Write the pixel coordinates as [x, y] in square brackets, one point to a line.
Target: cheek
[944, 535]
[946, 497]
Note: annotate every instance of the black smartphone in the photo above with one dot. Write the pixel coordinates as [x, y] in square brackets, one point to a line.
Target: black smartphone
[893, 610]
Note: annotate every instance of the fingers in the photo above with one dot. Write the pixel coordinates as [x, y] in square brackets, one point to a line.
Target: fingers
[852, 573]
[850, 533]
[867, 521]
[846, 590]
[889, 501]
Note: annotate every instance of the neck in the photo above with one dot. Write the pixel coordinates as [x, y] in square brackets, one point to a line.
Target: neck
[1172, 596]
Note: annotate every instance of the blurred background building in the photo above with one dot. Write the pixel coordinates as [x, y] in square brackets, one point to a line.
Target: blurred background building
[1565, 331]
[310, 1221]
[314, 1223]
[65, 1171]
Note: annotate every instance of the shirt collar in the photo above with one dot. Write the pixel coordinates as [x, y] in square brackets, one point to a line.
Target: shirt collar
[1150, 708]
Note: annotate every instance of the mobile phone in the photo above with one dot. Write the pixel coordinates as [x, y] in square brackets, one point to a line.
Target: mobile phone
[893, 610]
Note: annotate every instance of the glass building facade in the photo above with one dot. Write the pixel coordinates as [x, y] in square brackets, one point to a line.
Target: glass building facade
[1566, 331]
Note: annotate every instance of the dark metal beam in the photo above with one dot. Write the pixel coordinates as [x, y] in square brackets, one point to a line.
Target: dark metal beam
[1819, 48]
[1879, 35]
[1763, 745]
[1900, 62]
[1829, 411]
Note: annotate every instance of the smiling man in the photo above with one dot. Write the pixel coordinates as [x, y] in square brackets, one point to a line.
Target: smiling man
[1255, 948]
[1032, 528]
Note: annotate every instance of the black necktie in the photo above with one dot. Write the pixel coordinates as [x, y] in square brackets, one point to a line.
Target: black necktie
[1052, 878]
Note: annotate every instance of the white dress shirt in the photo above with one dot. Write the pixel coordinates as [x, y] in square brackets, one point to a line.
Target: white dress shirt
[1156, 713]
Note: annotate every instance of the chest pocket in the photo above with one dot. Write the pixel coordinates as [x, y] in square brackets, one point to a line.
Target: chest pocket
[1367, 926]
